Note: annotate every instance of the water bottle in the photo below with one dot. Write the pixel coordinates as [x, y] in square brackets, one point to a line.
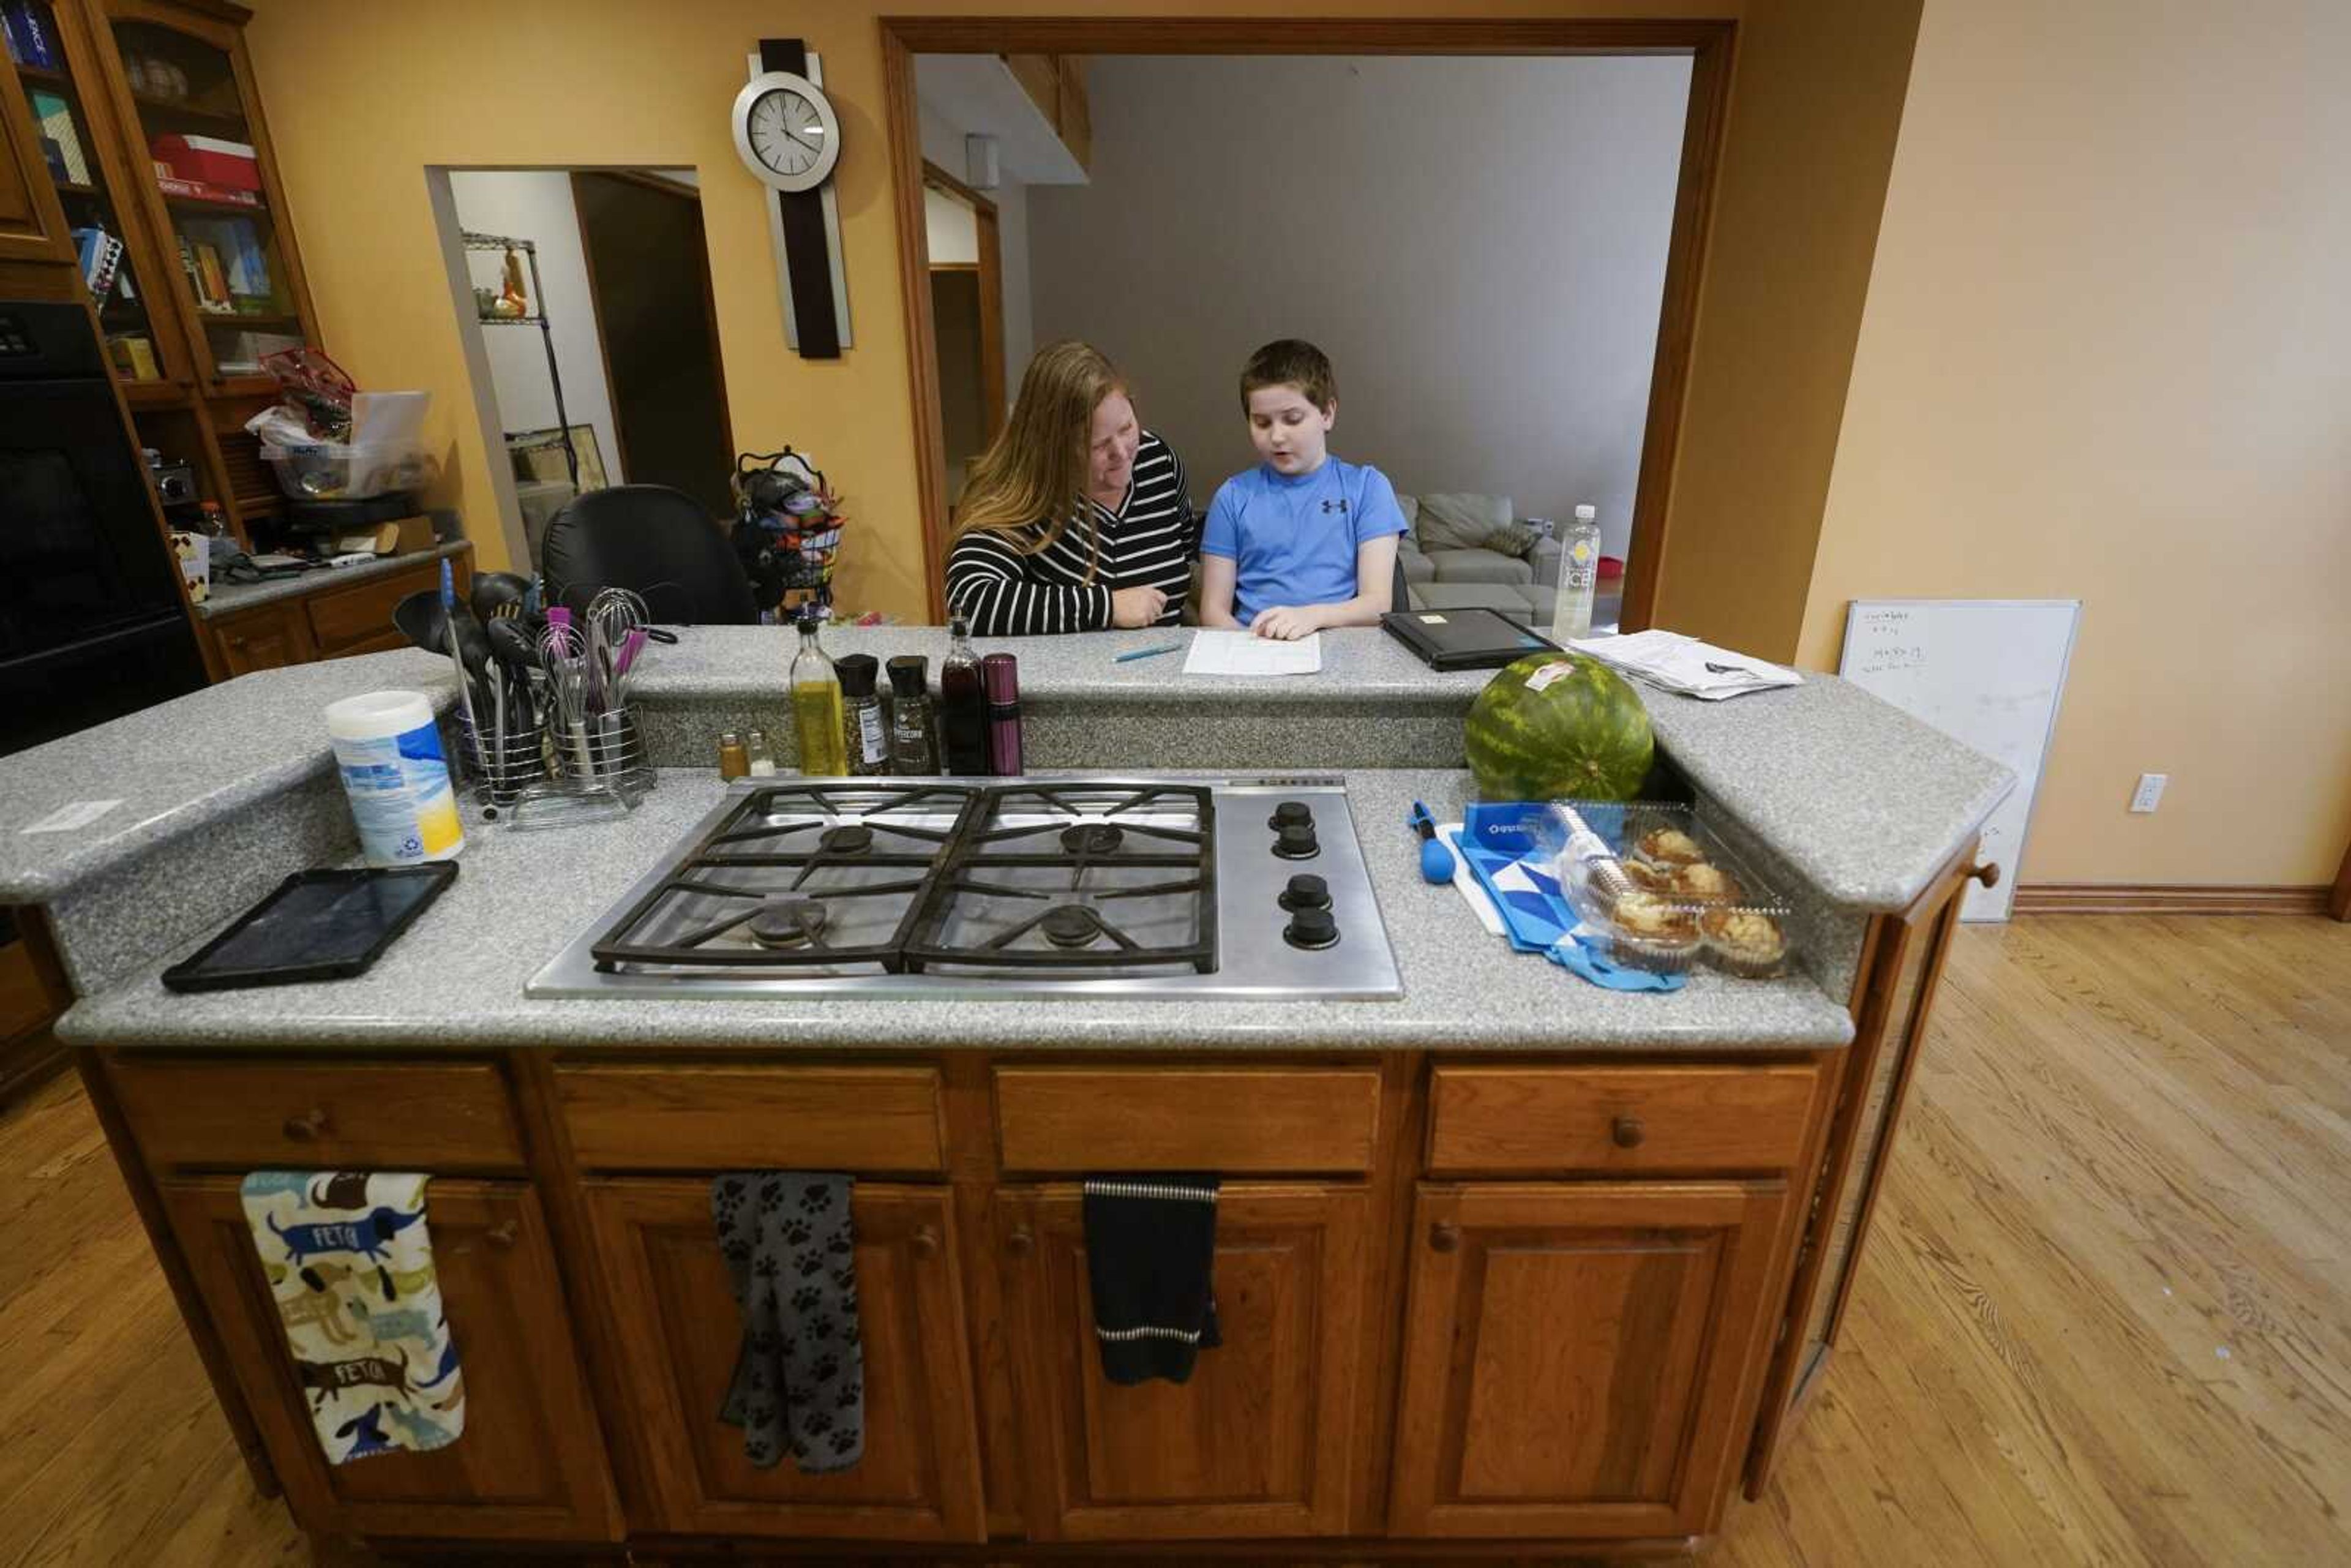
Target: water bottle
[1579, 577]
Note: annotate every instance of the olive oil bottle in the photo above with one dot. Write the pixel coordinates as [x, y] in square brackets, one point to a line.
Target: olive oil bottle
[815, 703]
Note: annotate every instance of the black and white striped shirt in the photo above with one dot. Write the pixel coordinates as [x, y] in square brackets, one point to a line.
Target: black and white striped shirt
[1148, 542]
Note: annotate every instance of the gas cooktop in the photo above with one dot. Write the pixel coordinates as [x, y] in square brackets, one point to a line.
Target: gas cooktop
[1133, 888]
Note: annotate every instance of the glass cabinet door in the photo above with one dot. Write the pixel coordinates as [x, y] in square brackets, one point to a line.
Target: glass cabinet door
[70, 111]
[190, 114]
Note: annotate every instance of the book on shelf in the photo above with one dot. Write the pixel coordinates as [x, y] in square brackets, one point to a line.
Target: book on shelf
[212, 280]
[245, 264]
[30, 43]
[204, 190]
[134, 355]
[101, 259]
[55, 118]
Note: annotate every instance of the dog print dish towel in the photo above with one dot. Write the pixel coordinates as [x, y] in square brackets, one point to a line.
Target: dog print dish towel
[350, 1264]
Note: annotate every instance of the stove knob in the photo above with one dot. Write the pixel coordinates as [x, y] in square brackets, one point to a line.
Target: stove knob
[1305, 892]
[1291, 814]
[1296, 842]
[1312, 928]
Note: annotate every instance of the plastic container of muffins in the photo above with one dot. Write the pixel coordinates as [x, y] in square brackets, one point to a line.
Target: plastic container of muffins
[1665, 893]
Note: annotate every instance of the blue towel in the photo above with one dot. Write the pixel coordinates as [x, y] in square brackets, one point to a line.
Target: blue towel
[1538, 918]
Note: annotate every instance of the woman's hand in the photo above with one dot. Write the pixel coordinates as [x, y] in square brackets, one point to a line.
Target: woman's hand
[1132, 607]
[1287, 622]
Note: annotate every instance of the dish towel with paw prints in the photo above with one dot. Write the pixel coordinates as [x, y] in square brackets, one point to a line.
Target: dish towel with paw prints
[799, 1387]
[350, 1263]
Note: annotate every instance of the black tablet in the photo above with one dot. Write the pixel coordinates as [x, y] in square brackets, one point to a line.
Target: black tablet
[1464, 639]
[317, 925]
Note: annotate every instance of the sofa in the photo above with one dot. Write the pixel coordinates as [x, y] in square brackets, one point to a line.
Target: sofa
[1470, 552]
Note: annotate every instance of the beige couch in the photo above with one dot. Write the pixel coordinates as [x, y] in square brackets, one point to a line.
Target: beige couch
[1470, 552]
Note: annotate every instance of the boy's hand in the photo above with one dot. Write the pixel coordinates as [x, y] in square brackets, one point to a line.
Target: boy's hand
[1286, 623]
[1132, 607]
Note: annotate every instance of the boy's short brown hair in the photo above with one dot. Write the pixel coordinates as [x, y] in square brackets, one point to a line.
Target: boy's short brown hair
[1295, 363]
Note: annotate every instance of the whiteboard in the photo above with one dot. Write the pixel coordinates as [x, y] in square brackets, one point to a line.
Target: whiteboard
[1986, 672]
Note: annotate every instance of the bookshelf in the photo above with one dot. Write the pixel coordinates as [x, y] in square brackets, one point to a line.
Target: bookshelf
[208, 279]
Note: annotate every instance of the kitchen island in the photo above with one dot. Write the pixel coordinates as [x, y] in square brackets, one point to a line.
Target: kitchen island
[1505, 1259]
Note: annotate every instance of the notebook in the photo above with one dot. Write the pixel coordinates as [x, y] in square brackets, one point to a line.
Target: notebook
[1464, 639]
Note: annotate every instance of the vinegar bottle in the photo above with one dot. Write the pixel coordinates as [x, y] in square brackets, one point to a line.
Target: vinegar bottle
[963, 705]
[816, 703]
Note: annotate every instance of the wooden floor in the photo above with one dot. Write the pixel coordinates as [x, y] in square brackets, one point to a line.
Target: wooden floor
[2106, 1316]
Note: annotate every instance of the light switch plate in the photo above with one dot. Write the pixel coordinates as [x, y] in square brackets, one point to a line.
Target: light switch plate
[2150, 793]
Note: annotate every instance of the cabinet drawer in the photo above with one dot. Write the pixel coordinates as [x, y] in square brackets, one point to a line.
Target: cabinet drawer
[753, 1118]
[1211, 1119]
[364, 610]
[253, 1115]
[1493, 1120]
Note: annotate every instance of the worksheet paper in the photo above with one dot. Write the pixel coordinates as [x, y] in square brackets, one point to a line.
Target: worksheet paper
[1243, 654]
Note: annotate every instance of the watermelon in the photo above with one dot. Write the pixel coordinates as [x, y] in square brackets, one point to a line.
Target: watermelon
[1558, 726]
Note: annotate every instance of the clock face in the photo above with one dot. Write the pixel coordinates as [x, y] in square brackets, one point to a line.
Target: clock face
[786, 132]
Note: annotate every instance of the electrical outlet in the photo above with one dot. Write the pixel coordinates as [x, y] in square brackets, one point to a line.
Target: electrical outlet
[2150, 793]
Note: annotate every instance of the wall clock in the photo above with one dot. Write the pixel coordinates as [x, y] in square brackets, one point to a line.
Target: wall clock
[790, 137]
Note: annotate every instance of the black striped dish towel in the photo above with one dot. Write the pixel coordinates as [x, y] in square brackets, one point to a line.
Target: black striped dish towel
[1151, 1242]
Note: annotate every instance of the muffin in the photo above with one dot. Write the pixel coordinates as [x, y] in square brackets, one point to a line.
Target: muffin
[1744, 944]
[1651, 934]
[1706, 883]
[1670, 847]
[1647, 878]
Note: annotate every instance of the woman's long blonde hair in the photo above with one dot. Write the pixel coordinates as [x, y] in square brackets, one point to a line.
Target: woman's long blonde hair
[1031, 480]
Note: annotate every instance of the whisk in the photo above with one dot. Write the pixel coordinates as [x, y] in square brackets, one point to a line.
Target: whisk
[564, 654]
[617, 617]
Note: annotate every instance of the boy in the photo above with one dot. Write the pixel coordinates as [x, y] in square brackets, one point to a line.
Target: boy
[1303, 540]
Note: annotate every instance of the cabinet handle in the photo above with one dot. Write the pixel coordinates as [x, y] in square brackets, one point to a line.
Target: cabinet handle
[1987, 874]
[1629, 1132]
[1444, 1236]
[925, 1243]
[500, 1234]
[1018, 1242]
[306, 1127]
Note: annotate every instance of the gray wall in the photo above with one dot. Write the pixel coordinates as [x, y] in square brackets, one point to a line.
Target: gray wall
[1479, 244]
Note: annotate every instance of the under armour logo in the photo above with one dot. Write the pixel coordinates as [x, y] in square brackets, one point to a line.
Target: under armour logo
[1339, 506]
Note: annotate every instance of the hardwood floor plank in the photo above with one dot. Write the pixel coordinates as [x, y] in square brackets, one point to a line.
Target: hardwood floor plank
[2129, 1151]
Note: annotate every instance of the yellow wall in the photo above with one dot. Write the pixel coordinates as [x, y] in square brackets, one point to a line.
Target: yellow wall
[362, 98]
[2105, 357]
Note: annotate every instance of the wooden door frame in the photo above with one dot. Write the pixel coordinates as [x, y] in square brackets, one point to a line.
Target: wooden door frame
[991, 296]
[2338, 902]
[652, 181]
[1710, 44]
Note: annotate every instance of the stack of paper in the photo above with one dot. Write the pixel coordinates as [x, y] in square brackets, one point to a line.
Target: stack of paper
[1246, 654]
[1685, 665]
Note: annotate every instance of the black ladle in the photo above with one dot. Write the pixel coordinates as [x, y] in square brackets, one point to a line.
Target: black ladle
[498, 595]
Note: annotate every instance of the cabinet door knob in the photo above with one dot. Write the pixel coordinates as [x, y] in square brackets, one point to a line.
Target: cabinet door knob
[1627, 1131]
[306, 1127]
[1987, 874]
[925, 1243]
[501, 1235]
[1444, 1236]
[1018, 1242]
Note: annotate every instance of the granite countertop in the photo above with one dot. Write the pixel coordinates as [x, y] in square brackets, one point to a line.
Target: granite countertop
[1360, 663]
[455, 980]
[177, 767]
[233, 598]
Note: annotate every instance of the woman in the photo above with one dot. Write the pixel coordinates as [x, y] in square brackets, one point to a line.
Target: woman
[1077, 517]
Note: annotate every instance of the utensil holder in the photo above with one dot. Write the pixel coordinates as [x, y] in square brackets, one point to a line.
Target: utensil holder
[502, 770]
[606, 748]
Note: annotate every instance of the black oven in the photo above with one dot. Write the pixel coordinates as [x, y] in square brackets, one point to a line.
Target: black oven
[91, 620]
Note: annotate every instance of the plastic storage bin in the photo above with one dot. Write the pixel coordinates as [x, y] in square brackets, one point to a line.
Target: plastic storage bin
[327, 471]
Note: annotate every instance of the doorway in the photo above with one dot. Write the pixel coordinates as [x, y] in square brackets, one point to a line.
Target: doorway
[961, 242]
[1048, 58]
[649, 284]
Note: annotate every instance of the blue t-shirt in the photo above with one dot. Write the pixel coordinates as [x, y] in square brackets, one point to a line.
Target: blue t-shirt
[1293, 539]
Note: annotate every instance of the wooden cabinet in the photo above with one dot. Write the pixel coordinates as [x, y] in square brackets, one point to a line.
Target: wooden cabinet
[1574, 1355]
[678, 1325]
[1258, 1442]
[1901, 963]
[269, 638]
[530, 1464]
[32, 224]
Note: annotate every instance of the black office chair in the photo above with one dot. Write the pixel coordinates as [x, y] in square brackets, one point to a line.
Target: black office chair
[656, 540]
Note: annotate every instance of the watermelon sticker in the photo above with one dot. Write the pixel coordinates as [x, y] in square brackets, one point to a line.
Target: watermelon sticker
[1558, 669]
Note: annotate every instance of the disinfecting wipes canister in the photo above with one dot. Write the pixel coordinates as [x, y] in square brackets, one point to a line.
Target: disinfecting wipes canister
[396, 778]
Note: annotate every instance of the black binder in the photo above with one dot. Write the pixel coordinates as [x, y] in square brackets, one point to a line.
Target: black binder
[1464, 639]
